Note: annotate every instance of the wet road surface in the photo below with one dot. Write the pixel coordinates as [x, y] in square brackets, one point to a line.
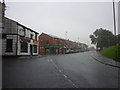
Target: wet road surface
[78, 70]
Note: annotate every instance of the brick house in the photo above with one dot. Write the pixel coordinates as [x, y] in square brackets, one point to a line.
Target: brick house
[49, 44]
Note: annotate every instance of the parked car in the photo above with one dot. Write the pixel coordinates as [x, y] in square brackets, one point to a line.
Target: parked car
[82, 50]
[67, 51]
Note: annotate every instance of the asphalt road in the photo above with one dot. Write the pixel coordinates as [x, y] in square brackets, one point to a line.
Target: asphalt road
[78, 70]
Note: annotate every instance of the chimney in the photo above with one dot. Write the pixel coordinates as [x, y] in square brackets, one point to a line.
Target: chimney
[3, 8]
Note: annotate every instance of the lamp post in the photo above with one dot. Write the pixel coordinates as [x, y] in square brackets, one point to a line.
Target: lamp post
[66, 35]
[114, 20]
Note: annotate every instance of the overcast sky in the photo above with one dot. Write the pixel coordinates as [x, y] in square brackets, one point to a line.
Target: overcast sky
[78, 19]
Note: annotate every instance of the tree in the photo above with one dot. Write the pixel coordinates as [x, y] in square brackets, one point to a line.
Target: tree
[118, 39]
[102, 38]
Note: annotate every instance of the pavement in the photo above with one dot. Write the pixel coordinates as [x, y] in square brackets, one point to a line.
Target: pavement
[23, 57]
[105, 60]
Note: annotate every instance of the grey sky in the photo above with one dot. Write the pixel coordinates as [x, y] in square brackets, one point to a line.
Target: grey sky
[79, 19]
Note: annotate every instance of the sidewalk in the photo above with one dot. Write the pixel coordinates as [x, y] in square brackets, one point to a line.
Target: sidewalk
[105, 60]
[22, 57]
[30, 57]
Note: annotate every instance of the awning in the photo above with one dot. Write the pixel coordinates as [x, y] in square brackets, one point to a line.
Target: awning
[54, 46]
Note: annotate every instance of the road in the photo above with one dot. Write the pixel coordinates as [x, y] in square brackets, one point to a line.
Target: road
[78, 70]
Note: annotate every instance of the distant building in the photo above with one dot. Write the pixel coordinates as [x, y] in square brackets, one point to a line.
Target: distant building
[91, 48]
[49, 44]
[17, 39]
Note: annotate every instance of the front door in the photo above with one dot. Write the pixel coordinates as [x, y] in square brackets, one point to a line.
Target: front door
[31, 49]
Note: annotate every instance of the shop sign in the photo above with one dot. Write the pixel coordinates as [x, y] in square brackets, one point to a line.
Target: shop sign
[24, 39]
[35, 42]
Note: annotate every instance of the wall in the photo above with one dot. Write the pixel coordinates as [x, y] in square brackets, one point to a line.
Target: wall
[19, 48]
[26, 33]
[10, 27]
[14, 37]
[0, 28]
[42, 38]
[10, 32]
[0, 45]
[21, 30]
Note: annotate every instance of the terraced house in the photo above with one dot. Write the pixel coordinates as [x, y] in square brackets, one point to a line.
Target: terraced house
[17, 39]
[49, 44]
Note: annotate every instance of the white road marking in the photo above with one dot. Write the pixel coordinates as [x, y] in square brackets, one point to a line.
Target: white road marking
[65, 76]
[48, 60]
[51, 60]
[60, 70]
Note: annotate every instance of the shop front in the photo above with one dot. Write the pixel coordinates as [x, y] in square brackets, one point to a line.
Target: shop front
[53, 49]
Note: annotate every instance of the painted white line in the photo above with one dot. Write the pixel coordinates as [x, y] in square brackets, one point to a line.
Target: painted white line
[74, 85]
[51, 60]
[60, 70]
[48, 60]
[65, 76]
[69, 80]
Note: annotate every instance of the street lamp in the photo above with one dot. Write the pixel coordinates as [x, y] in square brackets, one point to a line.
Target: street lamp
[66, 35]
[114, 20]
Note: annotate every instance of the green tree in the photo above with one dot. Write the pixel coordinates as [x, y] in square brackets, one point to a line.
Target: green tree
[102, 38]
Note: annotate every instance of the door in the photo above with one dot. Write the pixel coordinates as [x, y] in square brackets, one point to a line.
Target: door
[31, 49]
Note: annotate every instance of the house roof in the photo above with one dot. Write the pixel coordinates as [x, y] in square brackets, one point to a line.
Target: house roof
[54, 36]
[21, 25]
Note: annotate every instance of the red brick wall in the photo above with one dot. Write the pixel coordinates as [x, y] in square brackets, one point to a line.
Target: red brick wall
[43, 38]
[53, 41]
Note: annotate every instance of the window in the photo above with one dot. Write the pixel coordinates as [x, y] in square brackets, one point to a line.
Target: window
[9, 45]
[31, 36]
[3, 36]
[35, 48]
[24, 47]
[36, 37]
[22, 32]
[47, 42]
[41, 42]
